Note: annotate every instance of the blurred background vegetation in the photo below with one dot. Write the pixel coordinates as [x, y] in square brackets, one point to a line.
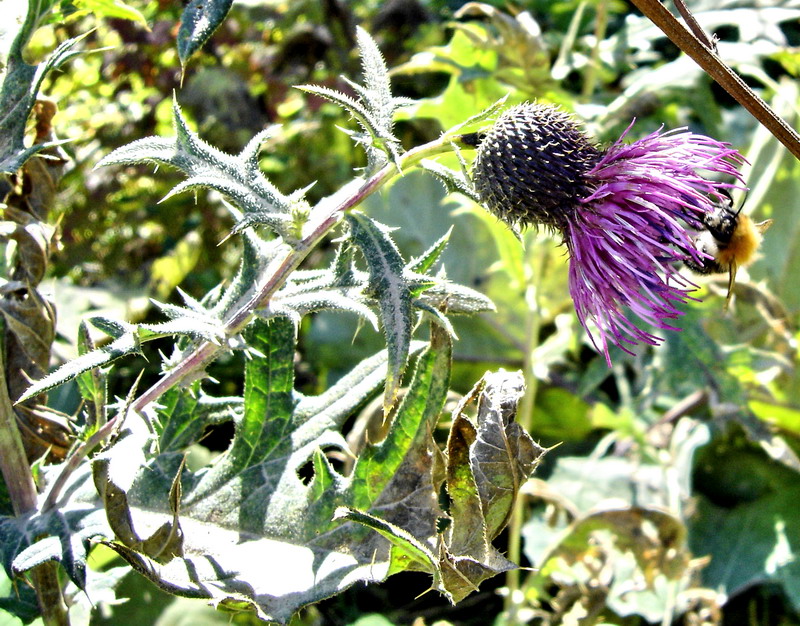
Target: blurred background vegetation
[706, 426]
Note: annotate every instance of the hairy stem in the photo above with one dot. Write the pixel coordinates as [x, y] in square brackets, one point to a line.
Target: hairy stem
[277, 273]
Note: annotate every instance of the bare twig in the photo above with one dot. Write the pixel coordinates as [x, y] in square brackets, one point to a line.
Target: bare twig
[707, 59]
[694, 26]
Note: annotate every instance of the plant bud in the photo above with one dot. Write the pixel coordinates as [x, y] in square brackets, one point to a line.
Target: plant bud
[531, 166]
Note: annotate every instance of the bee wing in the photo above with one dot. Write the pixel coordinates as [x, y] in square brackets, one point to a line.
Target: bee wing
[763, 226]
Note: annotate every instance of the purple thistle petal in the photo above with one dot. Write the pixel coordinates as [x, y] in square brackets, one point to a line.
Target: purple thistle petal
[628, 215]
[628, 233]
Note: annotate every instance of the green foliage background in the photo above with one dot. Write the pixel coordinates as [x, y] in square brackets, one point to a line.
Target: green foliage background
[706, 426]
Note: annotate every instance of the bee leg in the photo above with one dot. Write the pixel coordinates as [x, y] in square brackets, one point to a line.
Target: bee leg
[731, 283]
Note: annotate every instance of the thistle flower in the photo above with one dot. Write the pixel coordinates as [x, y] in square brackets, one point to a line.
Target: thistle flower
[627, 214]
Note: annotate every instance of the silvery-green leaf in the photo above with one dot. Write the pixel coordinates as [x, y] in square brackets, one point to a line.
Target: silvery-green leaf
[388, 285]
[454, 182]
[251, 508]
[255, 198]
[125, 344]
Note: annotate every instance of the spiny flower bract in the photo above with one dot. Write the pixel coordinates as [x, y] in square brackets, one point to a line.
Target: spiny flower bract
[627, 214]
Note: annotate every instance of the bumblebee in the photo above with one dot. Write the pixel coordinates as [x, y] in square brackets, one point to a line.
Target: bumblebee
[730, 239]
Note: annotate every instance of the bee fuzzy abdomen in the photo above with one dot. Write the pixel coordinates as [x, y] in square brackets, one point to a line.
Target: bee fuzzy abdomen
[743, 244]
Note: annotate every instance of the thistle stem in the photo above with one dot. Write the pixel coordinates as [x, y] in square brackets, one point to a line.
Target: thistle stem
[276, 274]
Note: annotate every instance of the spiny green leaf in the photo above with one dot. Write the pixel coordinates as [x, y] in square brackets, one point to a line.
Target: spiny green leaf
[256, 200]
[374, 110]
[128, 339]
[476, 485]
[487, 113]
[388, 285]
[256, 254]
[199, 21]
[377, 93]
[202, 323]
[454, 182]
[360, 113]
[347, 300]
[420, 407]
[253, 491]
[126, 344]
[427, 259]
[407, 554]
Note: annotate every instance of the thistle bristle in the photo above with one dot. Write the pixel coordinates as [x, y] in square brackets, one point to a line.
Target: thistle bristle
[531, 166]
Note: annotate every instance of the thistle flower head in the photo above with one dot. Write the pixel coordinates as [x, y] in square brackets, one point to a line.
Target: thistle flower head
[626, 214]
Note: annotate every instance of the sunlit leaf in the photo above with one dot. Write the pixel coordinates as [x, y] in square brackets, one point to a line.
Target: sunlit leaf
[113, 9]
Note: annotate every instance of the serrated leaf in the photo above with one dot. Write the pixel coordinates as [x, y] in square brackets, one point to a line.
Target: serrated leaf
[428, 258]
[477, 482]
[503, 455]
[348, 300]
[126, 344]
[377, 91]
[488, 459]
[375, 107]
[407, 553]
[199, 20]
[186, 322]
[365, 117]
[251, 507]
[387, 283]
[256, 199]
[454, 182]
[256, 254]
[190, 321]
[484, 115]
